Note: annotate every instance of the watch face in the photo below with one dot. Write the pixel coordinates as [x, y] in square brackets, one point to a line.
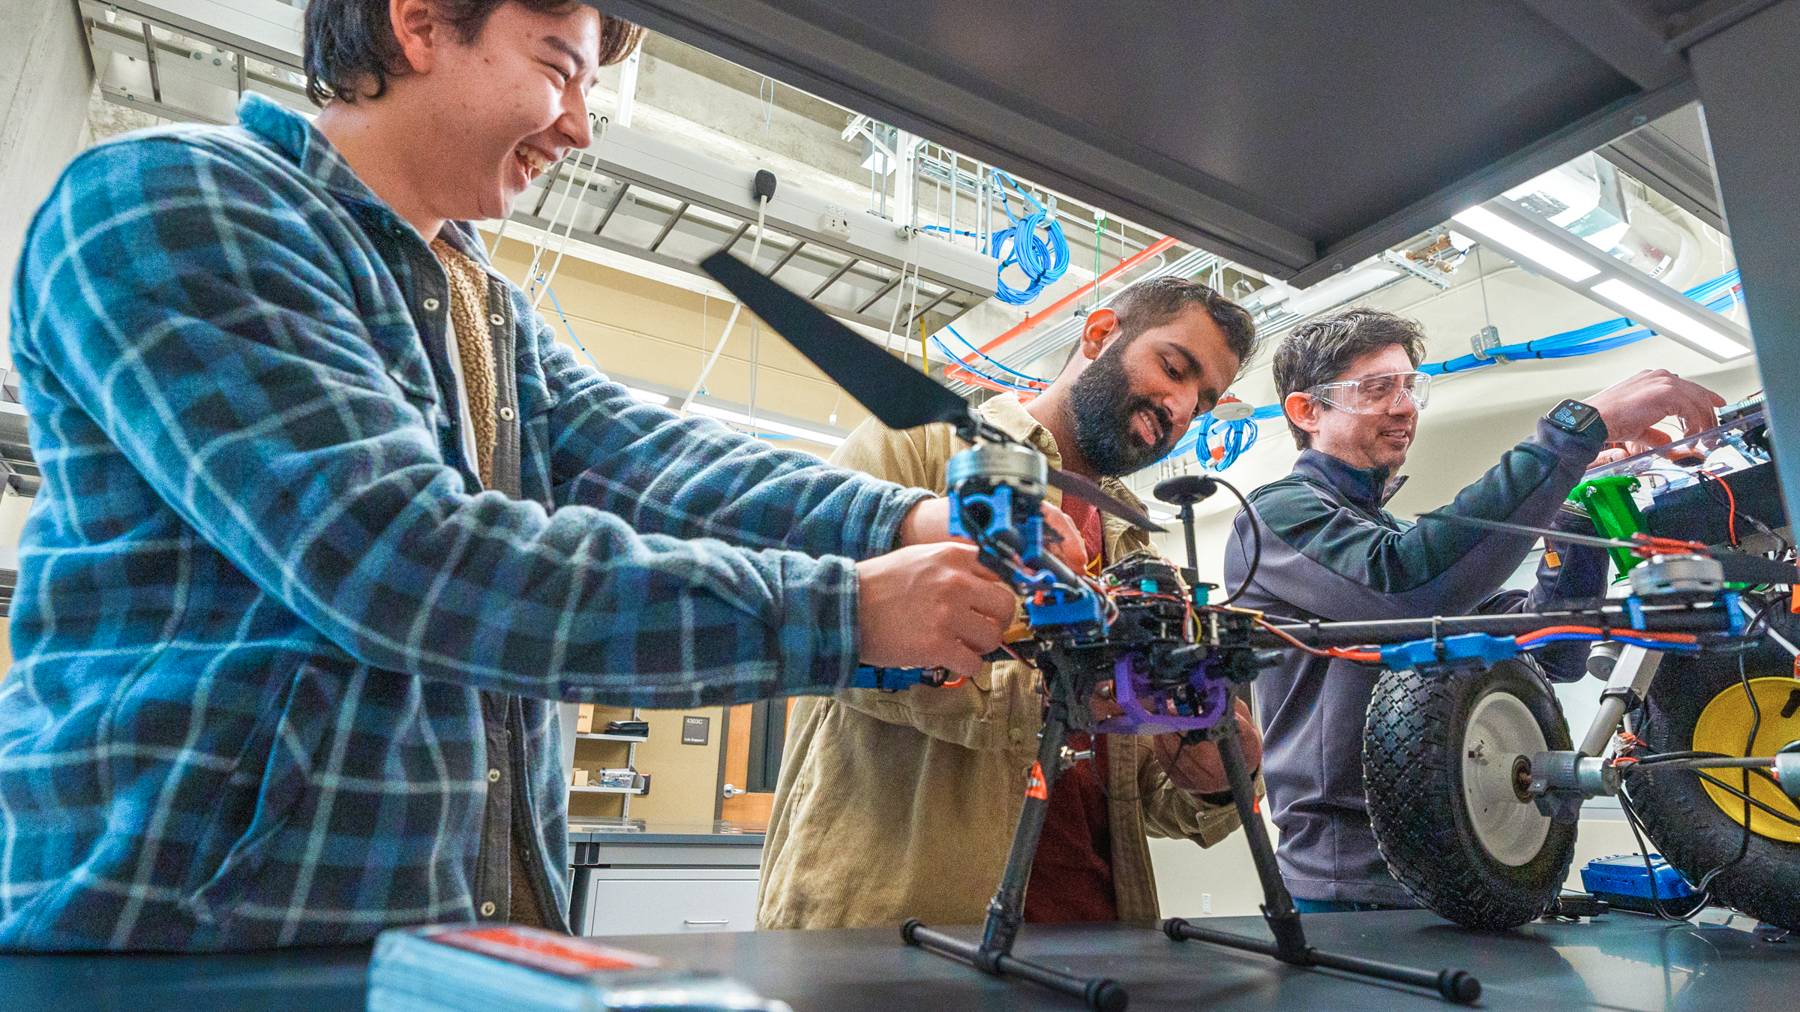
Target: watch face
[1573, 415]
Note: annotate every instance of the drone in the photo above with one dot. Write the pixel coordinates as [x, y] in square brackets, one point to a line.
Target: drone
[1148, 635]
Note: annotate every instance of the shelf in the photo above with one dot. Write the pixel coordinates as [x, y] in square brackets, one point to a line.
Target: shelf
[642, 787]
[601, 736]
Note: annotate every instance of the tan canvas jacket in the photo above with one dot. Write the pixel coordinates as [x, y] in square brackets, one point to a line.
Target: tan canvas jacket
[896, 805]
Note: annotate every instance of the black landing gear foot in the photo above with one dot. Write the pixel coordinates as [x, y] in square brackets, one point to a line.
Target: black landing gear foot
[1458, 986]
[1102, 994]
[1289, 942]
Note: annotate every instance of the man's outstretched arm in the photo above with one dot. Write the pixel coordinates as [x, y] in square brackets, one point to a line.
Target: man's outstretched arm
[195, 318]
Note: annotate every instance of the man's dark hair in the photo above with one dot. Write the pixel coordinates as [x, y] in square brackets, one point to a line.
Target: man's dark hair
[1320, 350]
[1155, 301]
[350, 50]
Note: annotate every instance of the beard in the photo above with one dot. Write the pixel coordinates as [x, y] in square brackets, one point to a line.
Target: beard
[1103, 404]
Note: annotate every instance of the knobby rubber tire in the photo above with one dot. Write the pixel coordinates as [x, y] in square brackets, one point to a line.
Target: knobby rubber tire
[1412, 774]
[1687, 827]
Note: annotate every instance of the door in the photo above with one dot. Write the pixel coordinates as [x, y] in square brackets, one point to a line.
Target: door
[754, 736]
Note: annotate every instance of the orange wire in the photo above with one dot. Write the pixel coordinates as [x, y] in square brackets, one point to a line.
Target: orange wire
[1344, 653]
[1730, 506]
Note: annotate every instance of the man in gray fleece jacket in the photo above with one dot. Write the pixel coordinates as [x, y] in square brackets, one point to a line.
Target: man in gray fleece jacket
[1330, 551]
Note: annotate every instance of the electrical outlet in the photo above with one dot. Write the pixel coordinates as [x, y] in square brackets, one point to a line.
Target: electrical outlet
[1206, 903]
[836, 220]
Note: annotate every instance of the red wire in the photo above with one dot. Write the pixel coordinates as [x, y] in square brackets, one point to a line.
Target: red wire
[1588, 630]
[1374, 656]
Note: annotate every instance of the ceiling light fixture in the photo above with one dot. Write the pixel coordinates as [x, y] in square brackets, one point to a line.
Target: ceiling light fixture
[649, 396]
[741, 419]
[1668, 322]
[1531, 240]
[766, 424]
[1523, 245]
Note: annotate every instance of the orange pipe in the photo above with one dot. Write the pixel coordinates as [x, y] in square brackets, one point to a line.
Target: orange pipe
[1032, 321]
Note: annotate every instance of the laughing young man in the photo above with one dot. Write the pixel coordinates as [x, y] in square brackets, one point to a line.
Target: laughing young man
[329, 522]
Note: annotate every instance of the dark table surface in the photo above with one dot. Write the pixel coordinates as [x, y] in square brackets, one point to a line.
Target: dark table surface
[1618, 962]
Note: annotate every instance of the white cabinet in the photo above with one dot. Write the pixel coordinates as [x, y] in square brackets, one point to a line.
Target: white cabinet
[661, 901]
[632, 877]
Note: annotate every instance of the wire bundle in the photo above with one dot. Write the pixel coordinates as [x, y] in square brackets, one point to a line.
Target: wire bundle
[1041, 260]
[1663, 641]
[1012, 380]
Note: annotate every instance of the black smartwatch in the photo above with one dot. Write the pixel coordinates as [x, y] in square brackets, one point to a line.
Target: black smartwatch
[1575, 418]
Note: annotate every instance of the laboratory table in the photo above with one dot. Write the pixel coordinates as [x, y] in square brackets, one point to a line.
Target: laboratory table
[1620, 961]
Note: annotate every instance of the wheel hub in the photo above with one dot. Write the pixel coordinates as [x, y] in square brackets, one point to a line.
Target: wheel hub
[1500, 736]
[1522, 778]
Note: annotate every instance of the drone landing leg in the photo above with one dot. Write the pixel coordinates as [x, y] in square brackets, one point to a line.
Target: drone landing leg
[1006, 911]
[1290, 945]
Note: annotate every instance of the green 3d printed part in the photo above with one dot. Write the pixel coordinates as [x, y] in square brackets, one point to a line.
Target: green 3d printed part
[1609, 502]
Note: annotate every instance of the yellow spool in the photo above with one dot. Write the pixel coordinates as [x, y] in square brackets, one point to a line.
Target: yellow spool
[1721, 727]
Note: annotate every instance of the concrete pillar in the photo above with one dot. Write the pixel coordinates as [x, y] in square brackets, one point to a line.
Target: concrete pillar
[45, 79]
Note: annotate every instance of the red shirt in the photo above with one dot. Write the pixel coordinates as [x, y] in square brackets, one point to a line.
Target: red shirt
[1072, 877]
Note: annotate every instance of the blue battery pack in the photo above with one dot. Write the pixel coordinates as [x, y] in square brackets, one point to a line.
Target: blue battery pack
[1622, 881]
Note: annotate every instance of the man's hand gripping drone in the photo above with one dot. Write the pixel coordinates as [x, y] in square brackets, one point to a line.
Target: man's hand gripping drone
[1168, 658]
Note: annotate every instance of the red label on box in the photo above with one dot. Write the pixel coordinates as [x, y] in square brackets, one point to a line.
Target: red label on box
[544, 950]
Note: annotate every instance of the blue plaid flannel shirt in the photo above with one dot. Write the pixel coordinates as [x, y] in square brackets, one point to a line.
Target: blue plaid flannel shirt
[261, 595]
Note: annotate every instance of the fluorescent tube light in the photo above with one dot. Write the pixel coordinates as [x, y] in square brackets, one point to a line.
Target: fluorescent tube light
[740, 418]
[1539, 251]
[766, 424]
[1667, 320]
[648, 396]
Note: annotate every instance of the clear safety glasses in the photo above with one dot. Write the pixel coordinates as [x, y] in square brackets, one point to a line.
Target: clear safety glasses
[1375, 395]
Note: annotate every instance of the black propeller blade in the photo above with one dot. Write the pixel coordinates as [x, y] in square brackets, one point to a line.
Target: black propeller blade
[898, 395]
[1081, 488]
[1737, 567]
[894, 392]
[1741, 568]
[1564, 537]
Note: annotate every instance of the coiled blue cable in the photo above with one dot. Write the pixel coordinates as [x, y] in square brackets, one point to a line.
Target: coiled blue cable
[1042, 261]
[1232, 437]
